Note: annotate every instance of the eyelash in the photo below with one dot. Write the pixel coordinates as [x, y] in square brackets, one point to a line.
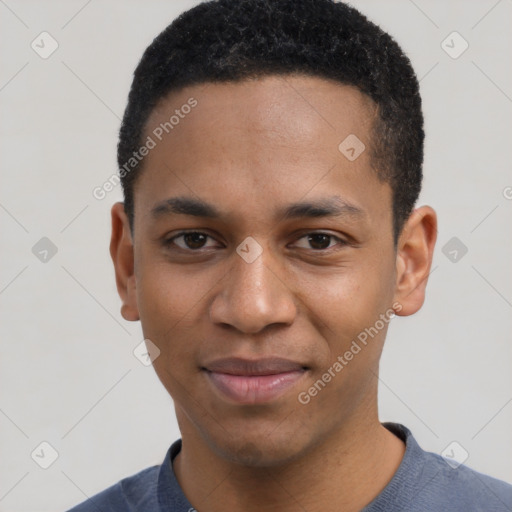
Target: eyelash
[170, 241]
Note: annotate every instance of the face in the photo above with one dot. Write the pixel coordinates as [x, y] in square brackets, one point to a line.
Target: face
[287, 258]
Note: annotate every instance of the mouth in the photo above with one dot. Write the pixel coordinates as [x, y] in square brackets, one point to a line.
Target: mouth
[258, 381]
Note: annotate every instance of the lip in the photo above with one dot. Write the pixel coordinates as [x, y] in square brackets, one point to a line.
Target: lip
[256, 381]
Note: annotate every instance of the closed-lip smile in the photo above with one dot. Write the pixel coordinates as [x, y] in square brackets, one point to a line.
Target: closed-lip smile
[253, 381]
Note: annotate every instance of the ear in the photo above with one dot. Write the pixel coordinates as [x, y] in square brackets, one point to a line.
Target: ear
[415, 251]
[121, 250]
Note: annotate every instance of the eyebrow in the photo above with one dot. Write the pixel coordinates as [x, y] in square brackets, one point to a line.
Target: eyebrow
[333, 206]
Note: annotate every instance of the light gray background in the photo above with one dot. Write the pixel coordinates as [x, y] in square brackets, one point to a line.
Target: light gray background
[68, 375]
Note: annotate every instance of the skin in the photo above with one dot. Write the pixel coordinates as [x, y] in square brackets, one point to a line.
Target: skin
[251, 148]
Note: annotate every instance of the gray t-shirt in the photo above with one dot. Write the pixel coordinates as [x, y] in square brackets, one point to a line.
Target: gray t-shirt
[424, 482]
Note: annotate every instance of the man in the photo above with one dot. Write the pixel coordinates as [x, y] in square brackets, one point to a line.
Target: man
[271, 156]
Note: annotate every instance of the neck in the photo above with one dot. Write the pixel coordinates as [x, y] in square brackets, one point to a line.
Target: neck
[346, 471]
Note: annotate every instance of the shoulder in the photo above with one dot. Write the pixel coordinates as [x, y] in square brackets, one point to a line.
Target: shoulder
[153, 489]
[139, 490]
[463, 487]
[427, 482]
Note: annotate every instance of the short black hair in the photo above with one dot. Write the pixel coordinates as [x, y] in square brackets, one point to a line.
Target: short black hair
[233, 40]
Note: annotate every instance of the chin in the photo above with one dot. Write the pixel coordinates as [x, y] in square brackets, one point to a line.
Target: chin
[259, 451]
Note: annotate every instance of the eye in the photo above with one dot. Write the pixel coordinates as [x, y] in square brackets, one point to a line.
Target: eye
[196, 240]
[321, 241]
[191, 240]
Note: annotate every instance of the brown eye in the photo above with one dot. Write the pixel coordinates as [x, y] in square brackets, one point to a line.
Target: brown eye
[189, 240]
[320, 241]
[194, 240]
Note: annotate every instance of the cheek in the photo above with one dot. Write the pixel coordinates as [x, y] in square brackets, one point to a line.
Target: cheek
[168, 305]
[173, 308]
[350, 310]
[165, 306]
[350, 300]
[168, 296]
[347, 307]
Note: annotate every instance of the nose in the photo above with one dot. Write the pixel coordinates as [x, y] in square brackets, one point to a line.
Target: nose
[253, 296]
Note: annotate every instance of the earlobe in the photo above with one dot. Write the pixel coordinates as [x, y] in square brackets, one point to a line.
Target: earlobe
[121, 251]
[414, 259]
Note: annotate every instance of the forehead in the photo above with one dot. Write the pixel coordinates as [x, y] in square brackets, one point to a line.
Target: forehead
[270, 140]
[292, 107]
